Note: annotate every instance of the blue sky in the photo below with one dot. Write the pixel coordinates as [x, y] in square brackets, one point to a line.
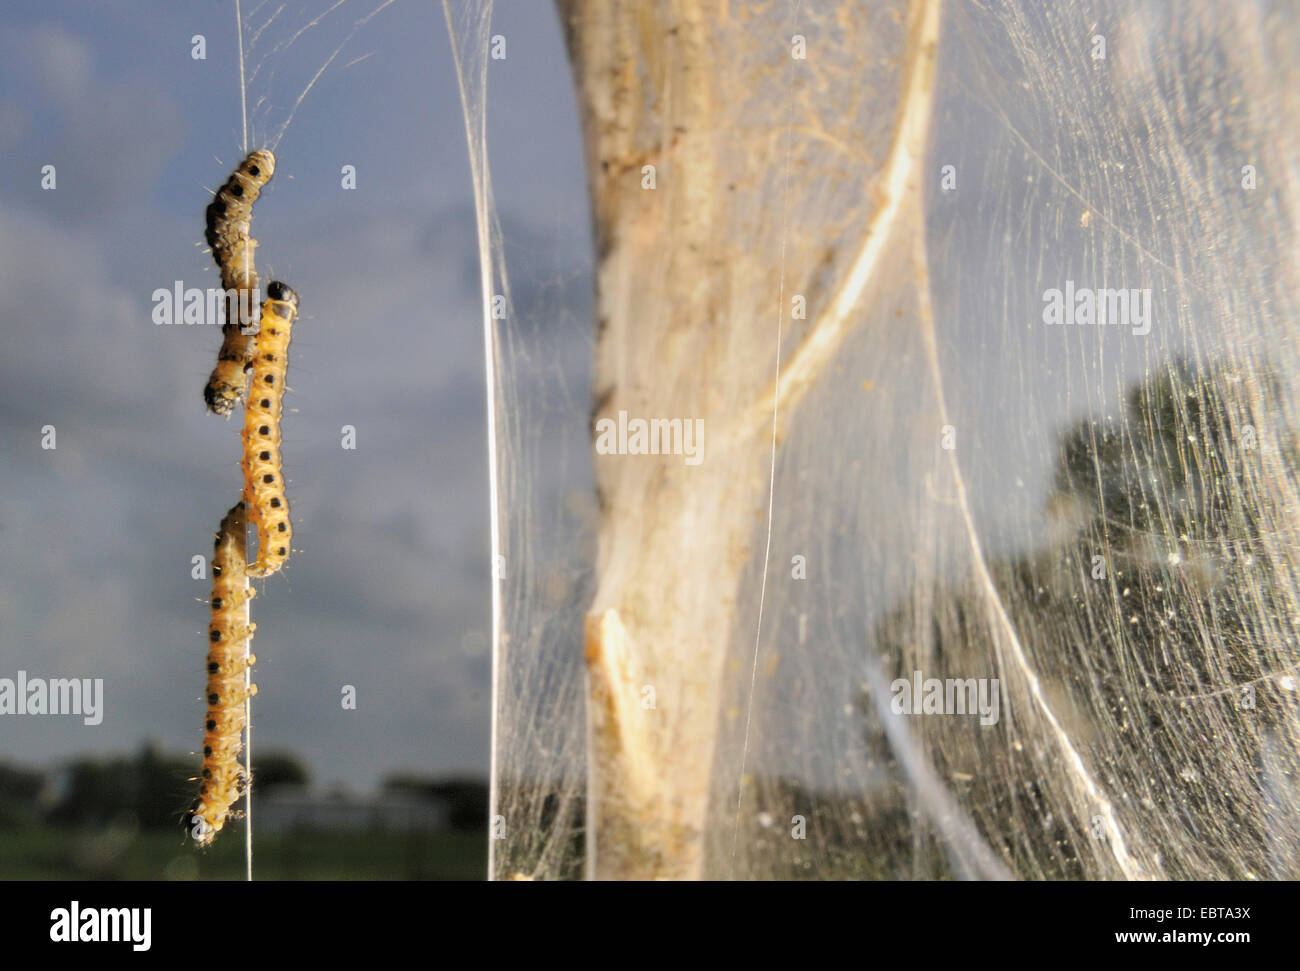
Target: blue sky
[386, 587]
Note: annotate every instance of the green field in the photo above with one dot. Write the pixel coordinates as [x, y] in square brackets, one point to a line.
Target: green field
[72, 854]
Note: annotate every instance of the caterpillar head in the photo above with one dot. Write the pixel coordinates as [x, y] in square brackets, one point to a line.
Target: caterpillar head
[220, 397]
[281, 292]
[259, 166]
[198, 828]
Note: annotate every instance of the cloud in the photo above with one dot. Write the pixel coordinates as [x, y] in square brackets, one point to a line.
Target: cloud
[389, 578]
[107, 139]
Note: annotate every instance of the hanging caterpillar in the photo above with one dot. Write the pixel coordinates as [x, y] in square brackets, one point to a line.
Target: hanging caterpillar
[263, 477]
[229, 217]
[229, 634]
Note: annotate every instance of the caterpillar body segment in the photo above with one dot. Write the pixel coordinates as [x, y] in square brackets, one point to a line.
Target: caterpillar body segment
[229, 379]
[230, 214]
[264, 493]
[223, 780]
[228, 232]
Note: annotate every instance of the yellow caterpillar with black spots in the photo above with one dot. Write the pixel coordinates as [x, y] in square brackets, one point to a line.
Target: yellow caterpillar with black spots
[223, 780]
[263, 476]
[228, 233]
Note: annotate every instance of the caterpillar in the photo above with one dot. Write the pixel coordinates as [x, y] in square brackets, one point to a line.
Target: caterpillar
[263, 477]
[229, 217]
[222, 780]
